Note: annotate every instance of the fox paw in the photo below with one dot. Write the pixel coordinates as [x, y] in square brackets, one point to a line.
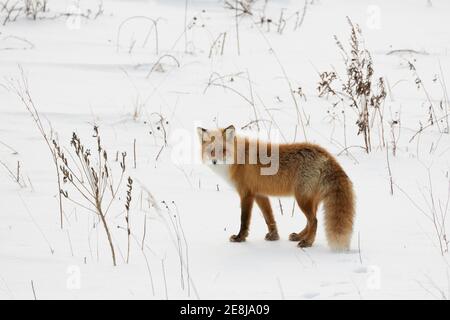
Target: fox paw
[237, 238]
[272, 236]
[295, 237]
[304, 244]
[303, 241]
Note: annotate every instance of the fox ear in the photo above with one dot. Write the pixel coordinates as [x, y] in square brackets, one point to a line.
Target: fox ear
[201, 132]
[229, 132]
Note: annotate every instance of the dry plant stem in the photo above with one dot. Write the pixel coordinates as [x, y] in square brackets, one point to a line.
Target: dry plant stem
[345, 129]
[106, 228]
[178, 242]
[147, 264]
[438, 221]
[359, 248]
[52, 251]
[244, 7]
[100, 10]
[10, 10]
[29, 8]
[380, 112]
[114, 192]
[358, 88]
[31, 184]
[420, 84]
[127, 217]
[253, 100]
[407, 51]
[18, 172]
[134, 153]
[391, 95]
[20, 87]
[155, 26]
[236, 18]
[108, 234]
[391, 184]
[92, 181]
[186, 249]
[223, 43]
[13, 151]
[281, 22]
[281, 206]
[427, 126]
[285, 76]
[165, 280]
[70, 243]
[161, 122]
[446, 97]
[144, 233]
[222, 37]
[280, 287]
[395, 138]
[158, 63]
[301, 19]
[34, 10]
[349, 147]
[34, 291]
[14, 177]
[34, 7]
[176, 235]
[272, 119]
[212, 82]
[365, 119]
[185, 26]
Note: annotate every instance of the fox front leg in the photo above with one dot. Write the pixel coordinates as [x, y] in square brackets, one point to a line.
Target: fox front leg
[264, 204]
[246, 213]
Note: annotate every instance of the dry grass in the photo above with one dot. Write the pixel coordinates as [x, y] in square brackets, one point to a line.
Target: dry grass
[357, 88]
[91, 178]
[12, 10]
[20, 88]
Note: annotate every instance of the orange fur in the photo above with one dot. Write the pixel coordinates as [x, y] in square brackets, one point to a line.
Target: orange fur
[306, 171]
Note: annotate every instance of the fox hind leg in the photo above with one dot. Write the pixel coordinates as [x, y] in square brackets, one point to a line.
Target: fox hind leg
[263, 203]
[307, 236]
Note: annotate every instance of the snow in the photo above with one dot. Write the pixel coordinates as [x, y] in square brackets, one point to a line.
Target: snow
[79, 75]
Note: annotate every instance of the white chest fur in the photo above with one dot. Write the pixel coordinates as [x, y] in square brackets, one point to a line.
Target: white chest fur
[222, 170]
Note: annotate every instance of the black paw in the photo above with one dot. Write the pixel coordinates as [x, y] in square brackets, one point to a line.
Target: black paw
[237, 238]
[272, 236]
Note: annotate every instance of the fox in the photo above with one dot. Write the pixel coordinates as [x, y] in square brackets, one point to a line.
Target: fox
[305, 171]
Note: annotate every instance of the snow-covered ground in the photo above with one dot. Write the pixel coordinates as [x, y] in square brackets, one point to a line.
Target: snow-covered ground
[84, 72]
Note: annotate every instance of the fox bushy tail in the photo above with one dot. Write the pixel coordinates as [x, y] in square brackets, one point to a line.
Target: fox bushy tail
[339, 205]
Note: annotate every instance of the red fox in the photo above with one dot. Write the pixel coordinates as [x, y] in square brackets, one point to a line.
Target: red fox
[306, 171]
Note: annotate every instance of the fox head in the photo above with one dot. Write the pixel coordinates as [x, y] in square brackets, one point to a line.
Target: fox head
[217, 145]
